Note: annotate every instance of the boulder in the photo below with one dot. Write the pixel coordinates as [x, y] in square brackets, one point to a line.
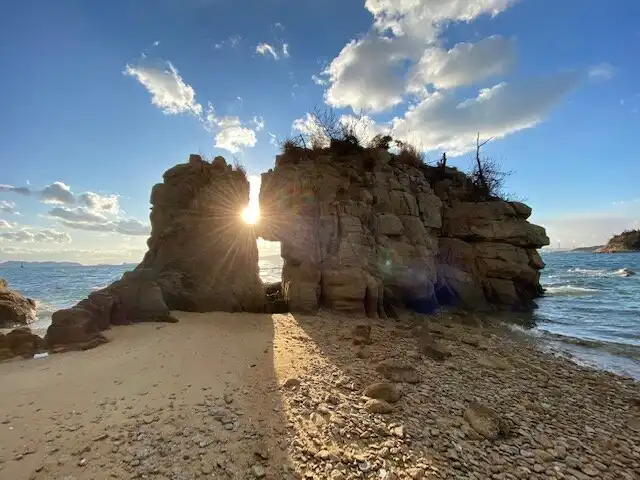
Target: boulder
[377, 406]
[432, 348]
[20, 342]
[486, 421]
[361, 334]
[73, 328]
[14, 308]
[397, 371]
[383, 391]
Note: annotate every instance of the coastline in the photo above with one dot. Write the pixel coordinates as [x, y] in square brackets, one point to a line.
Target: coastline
[144, 404]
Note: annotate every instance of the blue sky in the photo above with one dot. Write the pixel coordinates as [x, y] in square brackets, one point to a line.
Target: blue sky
[99, 98]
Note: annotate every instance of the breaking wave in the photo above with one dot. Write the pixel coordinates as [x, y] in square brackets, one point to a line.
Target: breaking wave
[569, 290]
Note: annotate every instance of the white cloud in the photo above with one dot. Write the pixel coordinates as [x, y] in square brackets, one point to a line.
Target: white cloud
[168, 90]
[273, 139]
[266, 49]
[364, 76]
[78, 214]
[99, 203]
[156, 43]
[40, 236]
[602, 71]
[83, 218]
[285, 50]
[26, 191]
[369, 73]
[171, 94]
[319, 80]
[258, 121]
[423, 19]
[124, 226]
[5, 224]
[234, 138]
[7, 207]
[58, 194]
[464, 64]
[440, 121]
[231, 135]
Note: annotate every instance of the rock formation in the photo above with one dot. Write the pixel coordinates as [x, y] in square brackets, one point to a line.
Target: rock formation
[363, 231]
[627, 241]
[20, 342]
[14, 308]
[201, 257]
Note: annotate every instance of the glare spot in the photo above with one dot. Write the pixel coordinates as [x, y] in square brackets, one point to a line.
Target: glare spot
[250, 214]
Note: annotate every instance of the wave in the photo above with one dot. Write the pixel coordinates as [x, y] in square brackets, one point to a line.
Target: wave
[601, 272]
[614, 348]
[591, 272]
[45, 310]
[569, 290]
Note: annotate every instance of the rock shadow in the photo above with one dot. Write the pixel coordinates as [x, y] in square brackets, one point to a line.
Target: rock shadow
[196, 399]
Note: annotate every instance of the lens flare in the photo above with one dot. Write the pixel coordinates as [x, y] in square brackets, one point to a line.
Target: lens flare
[250, 214]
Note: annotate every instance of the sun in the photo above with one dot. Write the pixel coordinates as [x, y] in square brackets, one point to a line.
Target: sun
[250, 214]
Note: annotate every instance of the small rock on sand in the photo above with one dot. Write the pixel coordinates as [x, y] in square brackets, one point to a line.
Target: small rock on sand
[382, 391]
[377, 406]
[397, 371]
[485, 421]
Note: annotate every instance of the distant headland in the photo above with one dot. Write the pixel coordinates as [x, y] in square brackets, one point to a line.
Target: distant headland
[17, 263]
[627, 241]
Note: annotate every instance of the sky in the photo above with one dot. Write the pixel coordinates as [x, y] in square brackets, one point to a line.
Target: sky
[99, 98]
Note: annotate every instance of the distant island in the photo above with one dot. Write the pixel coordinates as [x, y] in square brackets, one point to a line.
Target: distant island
[627, 241]
[16, 263]
[592, 249]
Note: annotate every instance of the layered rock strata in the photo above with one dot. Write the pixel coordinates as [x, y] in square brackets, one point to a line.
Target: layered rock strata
[363, 231]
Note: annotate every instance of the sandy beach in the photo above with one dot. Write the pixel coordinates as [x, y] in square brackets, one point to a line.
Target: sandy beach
[281, 396]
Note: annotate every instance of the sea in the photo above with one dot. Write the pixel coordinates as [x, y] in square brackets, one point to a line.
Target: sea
[590, 312]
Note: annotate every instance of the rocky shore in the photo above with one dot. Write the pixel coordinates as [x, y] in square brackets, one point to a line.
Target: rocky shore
[14, 308]
[244, 396]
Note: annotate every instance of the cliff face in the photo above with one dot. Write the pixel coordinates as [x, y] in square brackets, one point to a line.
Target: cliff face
[201, 257]
[627, 241]
[363, 232]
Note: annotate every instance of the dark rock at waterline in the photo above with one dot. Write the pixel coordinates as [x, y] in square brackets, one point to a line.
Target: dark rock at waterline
[20, 342]
[14, 308]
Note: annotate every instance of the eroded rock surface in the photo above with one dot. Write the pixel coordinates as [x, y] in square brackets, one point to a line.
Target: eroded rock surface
[201, 258]
[20, 342]
[14, 308]
[366, 233]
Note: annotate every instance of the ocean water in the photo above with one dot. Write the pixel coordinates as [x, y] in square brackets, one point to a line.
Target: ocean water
[590, 311]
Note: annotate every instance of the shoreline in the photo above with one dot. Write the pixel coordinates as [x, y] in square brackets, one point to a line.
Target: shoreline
[259, 396]
[618, 358]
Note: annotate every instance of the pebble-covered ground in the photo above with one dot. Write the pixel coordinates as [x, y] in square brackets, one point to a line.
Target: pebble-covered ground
[231, 396]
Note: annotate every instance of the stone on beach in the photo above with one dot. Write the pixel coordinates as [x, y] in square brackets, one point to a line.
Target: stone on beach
[14, 308]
